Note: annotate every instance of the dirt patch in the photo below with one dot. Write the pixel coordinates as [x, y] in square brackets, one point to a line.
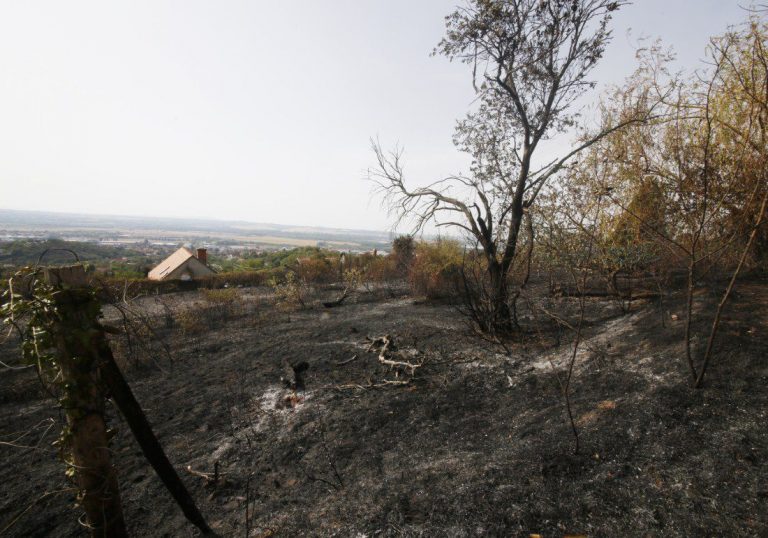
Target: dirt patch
[477, 442]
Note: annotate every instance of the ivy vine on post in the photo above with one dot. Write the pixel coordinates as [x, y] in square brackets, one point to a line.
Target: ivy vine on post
[58, 328]
[55, 311]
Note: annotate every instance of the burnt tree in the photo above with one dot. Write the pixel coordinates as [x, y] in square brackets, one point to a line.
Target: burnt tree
[530, 61]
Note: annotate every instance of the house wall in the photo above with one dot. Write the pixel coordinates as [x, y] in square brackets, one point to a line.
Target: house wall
[193, 267]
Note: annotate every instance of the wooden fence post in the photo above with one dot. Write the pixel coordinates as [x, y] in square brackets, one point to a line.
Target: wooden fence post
[75, 335]
[90, 374]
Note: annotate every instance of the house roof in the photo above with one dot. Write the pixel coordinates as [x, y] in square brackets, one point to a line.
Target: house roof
[171, 263]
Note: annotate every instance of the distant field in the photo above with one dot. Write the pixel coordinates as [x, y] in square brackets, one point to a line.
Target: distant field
[271, 240]
[15, 224]
[128, 236]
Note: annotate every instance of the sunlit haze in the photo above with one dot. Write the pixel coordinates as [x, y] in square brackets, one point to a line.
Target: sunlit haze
[258, 111]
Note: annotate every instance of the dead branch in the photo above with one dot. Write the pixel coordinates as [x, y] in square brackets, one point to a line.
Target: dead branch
[398, 364]
[573, 291]
[32, 505]
[386, 346]
[337, 483]
[14, 443]
[337, 302]
[371, 385]
[342, 363]
[726, 295]
[210, 478]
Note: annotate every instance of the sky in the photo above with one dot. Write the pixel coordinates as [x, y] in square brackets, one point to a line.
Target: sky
[256, 110]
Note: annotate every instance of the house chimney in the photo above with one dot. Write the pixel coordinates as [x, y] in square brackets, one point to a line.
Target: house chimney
[202, 255]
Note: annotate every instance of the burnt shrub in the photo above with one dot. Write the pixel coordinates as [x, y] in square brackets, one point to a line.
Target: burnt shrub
[381, 270]
[290, 292]
[317, 270]
[115, 288]
[403, 250]
[435, 269]
[236, 278]
[217, 308]
[189, 321]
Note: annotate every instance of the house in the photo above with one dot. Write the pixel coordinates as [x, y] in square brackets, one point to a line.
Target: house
[182, 265]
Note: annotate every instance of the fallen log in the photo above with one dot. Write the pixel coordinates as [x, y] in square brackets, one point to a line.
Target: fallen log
[572, 291]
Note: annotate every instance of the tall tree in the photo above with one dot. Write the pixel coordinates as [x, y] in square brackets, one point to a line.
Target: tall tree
[531, 61]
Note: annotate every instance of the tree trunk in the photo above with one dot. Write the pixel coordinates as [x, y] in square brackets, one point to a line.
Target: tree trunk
[690, 289]
[501, 315]
[499, 271]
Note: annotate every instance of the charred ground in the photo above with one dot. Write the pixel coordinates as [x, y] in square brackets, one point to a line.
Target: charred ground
[477, 443]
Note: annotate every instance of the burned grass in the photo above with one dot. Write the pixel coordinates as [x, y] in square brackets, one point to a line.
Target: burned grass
[474, 442]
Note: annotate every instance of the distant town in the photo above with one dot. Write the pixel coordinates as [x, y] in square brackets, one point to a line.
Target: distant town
[129, 246]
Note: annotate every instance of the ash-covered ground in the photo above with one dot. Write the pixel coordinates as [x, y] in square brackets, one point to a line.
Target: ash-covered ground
[475, 442]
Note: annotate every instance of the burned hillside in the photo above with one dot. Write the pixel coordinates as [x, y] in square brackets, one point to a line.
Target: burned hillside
[474, 441]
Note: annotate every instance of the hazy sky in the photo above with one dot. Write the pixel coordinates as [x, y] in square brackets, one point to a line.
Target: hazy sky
[253, 110]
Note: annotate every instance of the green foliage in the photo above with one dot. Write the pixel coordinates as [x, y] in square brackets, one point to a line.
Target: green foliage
[284, 258]
[644, 219]
[131, 271]
[32, 315]
[23, 252]
[239, 278]
[35, 310]
[311, 264]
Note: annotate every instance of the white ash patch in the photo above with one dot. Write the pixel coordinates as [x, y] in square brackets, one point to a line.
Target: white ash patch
[270, 398]
[611, 332]
[275, 407]
[561, 356]
[221, 452]
[409, 352]
[357, 344]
